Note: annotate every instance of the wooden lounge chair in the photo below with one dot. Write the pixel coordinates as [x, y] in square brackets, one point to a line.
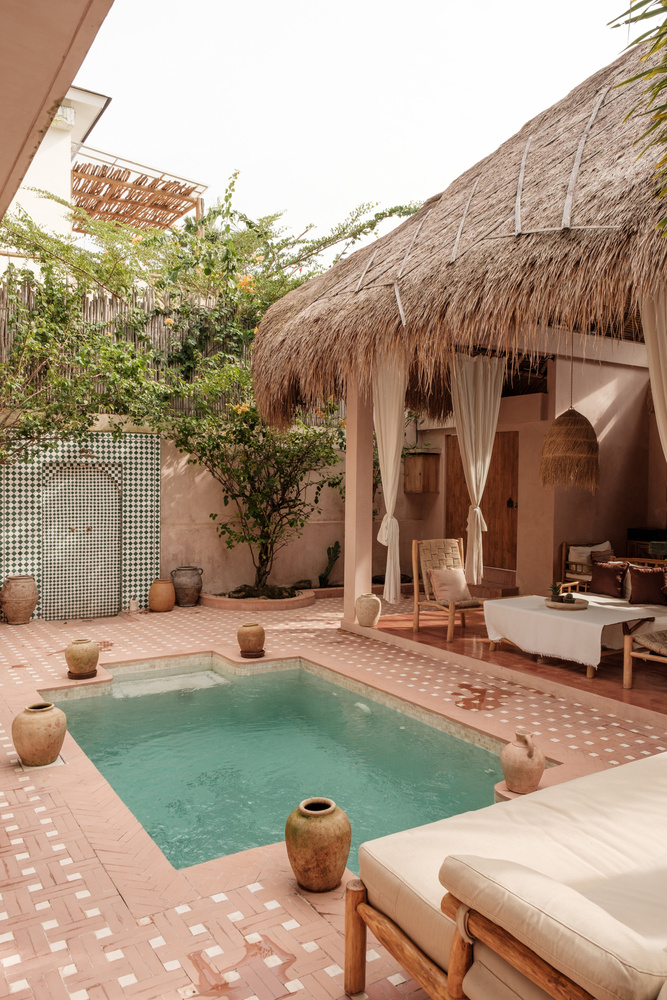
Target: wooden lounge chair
[438, 553]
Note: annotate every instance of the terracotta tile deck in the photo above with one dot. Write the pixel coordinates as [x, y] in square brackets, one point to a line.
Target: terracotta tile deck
[89, 906]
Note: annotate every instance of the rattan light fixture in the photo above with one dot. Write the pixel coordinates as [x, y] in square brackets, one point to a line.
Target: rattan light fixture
[570, 452]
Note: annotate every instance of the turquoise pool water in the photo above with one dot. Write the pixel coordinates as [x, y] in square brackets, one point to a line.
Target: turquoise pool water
[218, 769]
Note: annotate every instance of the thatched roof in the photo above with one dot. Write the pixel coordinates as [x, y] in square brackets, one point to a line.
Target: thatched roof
[557, 227]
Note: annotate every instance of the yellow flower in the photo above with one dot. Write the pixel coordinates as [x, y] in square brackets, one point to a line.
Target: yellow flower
[169, 322]
[137, 238]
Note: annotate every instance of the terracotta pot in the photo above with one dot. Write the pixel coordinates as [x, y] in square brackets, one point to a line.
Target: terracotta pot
[187, 584]
[82, 656]
[161, 596]
[367, 608]
[38, 733]
[18, 598]
[522, 763]
[251, 640]
[317, 837]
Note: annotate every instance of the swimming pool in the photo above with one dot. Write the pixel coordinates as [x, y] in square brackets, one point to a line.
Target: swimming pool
[213, 763]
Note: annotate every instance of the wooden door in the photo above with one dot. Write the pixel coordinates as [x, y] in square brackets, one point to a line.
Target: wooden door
[502, 486]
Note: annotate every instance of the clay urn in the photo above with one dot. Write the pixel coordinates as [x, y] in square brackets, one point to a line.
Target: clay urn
[82, 656]
[161, 596]
[367, 608]
[187, 584]
[251, 640]
[38, 733]
[317, 837]
[522, 763]
[18, 598]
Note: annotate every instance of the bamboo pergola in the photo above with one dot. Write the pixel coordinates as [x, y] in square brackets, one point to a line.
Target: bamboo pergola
[108, 187]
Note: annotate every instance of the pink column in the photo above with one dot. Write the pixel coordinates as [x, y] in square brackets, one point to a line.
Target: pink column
[358, 498]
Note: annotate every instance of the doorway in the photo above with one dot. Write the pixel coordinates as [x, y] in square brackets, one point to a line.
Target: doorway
[82, 541]
[499, 503]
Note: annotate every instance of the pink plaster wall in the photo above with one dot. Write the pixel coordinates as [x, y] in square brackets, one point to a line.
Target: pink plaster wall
[613, 398]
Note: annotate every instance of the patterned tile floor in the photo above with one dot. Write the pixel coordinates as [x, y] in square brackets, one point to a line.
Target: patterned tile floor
[89, 906]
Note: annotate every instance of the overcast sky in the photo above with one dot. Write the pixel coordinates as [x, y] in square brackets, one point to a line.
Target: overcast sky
[321, 106]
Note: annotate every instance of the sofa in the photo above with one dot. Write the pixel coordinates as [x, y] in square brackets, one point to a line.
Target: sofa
[558, 894]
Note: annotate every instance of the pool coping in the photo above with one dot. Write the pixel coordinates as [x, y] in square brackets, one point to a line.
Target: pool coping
[124, 844]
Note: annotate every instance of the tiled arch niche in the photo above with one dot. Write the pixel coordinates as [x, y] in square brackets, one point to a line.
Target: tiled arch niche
[132, 465]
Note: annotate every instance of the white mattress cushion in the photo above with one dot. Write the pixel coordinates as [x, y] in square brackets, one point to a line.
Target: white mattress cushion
[578, 937]
[580, 832]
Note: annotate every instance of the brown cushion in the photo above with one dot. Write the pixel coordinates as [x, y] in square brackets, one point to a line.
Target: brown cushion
[647, 584]
[602, 555]
[449, 585]
[607, 578]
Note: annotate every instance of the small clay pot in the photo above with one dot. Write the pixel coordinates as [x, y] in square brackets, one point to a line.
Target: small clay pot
[367, 608]
[318, 837]
[38, 733]
[161, 596]
[18, 598]
[251, 640]
[187, 584]
[523, 764]
[82, 656]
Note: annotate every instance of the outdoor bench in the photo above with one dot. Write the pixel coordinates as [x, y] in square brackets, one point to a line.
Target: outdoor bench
[558, 894]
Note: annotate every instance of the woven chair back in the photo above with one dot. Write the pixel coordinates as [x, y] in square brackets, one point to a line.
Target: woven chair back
[438, 553]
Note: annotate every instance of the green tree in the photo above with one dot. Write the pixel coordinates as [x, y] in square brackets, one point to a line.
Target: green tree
[272, 479]
[652, 15]
[61, 373]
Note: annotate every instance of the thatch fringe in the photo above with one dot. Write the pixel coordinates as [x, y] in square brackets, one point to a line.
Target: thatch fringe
[503, 288]
[570, 453]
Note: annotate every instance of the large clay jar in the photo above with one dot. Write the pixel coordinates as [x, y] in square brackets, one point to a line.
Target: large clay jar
[522, 763]
[251, 640]
[18, 598]
[187, 584]
[82, 656]
[38, 733]
[367, 608]
[317, 837]
[161, 596]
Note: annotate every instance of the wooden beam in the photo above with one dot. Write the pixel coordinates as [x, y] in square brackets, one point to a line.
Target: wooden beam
[399, 304]
[355, 938]
[133, 186]
[412, 241]
[463, 219]
[425, 972]
[517, 954]
[569, 197]
[363, 273]
[519, 189]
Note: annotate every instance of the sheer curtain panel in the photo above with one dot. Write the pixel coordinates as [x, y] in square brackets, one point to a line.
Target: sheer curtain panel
[477, 385]
[389, 384]
[654, 323]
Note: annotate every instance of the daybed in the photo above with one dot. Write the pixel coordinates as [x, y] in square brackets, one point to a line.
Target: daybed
[557, 894]
[641, 582]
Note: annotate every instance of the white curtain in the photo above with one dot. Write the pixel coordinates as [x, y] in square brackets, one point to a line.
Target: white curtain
[654, 323]
[476, 389]
[389, 384]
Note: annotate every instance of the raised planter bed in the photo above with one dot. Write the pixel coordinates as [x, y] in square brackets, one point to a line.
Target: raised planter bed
[302, 600]
[322, 593]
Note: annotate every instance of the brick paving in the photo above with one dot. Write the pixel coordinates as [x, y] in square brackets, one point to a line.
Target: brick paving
[90, 907]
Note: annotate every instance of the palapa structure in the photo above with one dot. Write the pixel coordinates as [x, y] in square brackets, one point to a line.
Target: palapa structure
[555, 229]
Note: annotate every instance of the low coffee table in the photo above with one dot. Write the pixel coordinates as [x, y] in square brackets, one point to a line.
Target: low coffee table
[526, 622]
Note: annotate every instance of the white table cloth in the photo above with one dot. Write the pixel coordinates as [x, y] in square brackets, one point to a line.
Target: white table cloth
[569, 635]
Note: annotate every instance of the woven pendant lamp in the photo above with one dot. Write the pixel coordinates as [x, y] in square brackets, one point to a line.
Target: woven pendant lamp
[570, 453]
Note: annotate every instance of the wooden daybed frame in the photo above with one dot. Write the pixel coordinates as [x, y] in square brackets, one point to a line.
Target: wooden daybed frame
[439, 985]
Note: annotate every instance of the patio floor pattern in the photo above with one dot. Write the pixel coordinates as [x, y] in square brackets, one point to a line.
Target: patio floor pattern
[91, 910]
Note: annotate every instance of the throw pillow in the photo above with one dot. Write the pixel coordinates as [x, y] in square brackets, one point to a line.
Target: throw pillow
[607, 578]
[449, 585]
[602, 555]
[647, 584]
[581, 554]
